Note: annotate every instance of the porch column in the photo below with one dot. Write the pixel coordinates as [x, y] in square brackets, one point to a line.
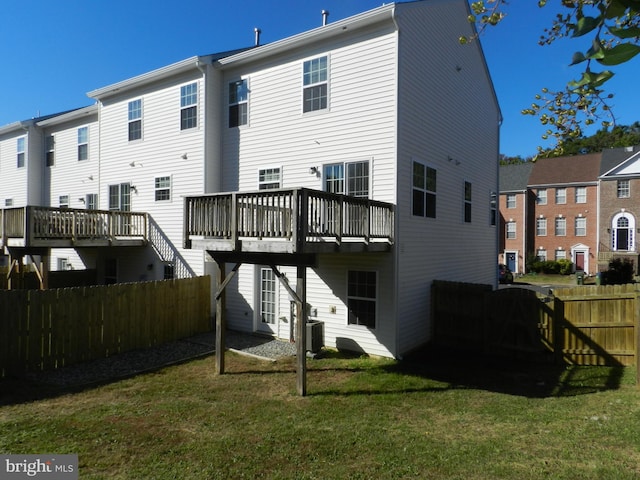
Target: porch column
[301, 330]
[221, 321]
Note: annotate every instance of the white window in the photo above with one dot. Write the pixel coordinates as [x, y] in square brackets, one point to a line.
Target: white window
[581, 226]
[561, 227]
[467, 202]
[624, 190]
[268, 296]
[561, 255]
[64, 264]
[511, 200]
[49, 147]
[315, 84]
[541, 197]
[350, 178]
[581, 194]
[63, 201]
[561, 195]
[424, 190]
[135, 120]
[91, 201]
[8, 202]
[511, 230]
[238, 103]
[269, 178]
[188, 106]
[20, 152]
[83, 143]
[541, 227]
[362, 298]
[162, 189]
[542, 255]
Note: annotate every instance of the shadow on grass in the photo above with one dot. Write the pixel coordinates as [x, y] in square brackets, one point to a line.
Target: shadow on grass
[512, 377]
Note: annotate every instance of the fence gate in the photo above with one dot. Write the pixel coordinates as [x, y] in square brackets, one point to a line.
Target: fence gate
[519, 323]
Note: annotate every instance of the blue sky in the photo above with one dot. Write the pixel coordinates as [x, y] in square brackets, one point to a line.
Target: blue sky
[56, 51]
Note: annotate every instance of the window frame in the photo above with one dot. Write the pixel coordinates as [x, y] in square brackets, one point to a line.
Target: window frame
[511, 200]
[560, 254]
[189, 106]
[581, 195]
[64, 201]
[50, 150]
[271, 183]
[561, 231]
[162, 192]
[581, 228]
[91, 201]
[561, 196]
[541, 254]
[134, 118]
[541, 227]
[511, 230]
[541, 196]
[623, 188]
[238, 99]
[21, 149]
[83, 144]
[359, 294]
[468, 201]
[344, 183]
[424, 185]
[315, 84]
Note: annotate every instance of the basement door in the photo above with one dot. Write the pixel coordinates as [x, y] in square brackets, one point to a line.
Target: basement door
[267, 308]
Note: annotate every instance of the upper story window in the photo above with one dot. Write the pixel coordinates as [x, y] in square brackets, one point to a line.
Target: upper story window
[581, 194]
[188, 106]
[83, 143]
[541, 196]
[424, 190]
[511, 230]
[581, 226]
[561, 227]
[561, 195]
[162, 188]
[63, 201]
[511, 200]
[268, 178]
[351, 178]
[238, 103]
[135, 120]
[49, 150]
[315, 84]
[541, 227]
[624, 190]
[467, 202]
[361, 298]
[20, 152]
[8, 202]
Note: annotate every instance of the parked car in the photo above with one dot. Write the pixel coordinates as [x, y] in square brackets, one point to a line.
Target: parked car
[504, 274]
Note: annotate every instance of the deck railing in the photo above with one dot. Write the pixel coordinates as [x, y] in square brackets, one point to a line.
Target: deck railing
[297, 215]
[37, 225]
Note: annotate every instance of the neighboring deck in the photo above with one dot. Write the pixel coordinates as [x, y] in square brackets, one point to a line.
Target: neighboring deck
[46, 227]
[287, 221]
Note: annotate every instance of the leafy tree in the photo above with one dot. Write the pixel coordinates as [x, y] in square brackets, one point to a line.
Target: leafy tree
[506, 160]
[613, 27]
[618, 136]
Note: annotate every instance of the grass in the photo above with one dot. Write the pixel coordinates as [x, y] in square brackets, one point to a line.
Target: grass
[431, 416]
[551, 279]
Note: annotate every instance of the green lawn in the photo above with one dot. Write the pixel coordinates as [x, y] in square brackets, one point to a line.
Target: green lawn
[430, 417]
[546, 279]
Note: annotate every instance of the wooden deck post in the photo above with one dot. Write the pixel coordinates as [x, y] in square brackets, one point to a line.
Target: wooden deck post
[220, 320]
[301, 330]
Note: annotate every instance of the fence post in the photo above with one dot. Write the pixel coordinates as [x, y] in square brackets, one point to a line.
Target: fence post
[558, 329]
[637, 336]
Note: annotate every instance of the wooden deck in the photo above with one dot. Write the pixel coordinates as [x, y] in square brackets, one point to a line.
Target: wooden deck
[287, 221]
[38, 227]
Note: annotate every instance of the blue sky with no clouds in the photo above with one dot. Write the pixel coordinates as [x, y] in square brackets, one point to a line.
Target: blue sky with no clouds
[54, 52]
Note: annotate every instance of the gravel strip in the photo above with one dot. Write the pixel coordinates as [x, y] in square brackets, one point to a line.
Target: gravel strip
[138, 361]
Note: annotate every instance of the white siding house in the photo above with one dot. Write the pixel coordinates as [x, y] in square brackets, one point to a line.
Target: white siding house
[381, 112]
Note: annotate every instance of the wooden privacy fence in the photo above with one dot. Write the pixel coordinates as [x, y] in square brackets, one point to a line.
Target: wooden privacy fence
[587, 325]
[48, 329]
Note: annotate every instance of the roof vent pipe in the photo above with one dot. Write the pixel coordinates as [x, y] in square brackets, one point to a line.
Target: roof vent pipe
[325, 15]
[257, 31]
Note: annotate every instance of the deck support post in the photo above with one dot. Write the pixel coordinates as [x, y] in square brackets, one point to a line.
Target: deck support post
[220, 320]
[301, 330]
